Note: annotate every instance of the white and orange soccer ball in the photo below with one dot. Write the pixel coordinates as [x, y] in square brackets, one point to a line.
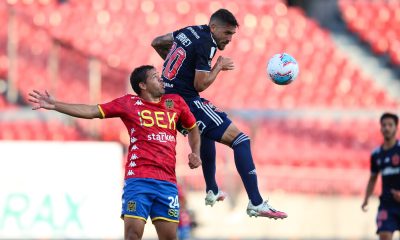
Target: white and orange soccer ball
[282, 68]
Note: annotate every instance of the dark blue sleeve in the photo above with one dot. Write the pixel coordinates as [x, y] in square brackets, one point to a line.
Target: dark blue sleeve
[374, 164]
[204, 54]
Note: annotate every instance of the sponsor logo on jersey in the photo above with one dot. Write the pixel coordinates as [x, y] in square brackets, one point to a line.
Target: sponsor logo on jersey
[160, 119]
[183, 39]
[161, 137]
[131, 206]
[387, 171]
[194, 32]
[169, 103]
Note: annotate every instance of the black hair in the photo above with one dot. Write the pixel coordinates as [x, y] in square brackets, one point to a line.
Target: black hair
[390, 115]
[139, 75]
[224, 16]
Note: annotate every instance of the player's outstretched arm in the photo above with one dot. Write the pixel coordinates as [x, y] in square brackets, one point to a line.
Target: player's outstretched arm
[202, 80]
[369, 190]
[194, 142]
[162, 44]
[46, 101]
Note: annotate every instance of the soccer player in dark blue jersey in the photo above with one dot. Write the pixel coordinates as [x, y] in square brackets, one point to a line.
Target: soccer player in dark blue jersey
[188, 53]
[386, 161]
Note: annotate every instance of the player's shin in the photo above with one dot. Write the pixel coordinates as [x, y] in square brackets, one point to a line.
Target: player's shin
[208, 157]
[246, 168]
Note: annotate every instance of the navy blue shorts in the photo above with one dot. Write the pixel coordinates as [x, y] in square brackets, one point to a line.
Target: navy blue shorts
[144, 197]
[211, 121]
[388, 219]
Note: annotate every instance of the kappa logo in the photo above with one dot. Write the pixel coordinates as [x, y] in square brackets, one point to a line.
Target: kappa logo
[132, 164]
[133, 139]
[139, 103]
[134, 147]
[131, 206]
[130, 173]
[134, 157]
[132, 130]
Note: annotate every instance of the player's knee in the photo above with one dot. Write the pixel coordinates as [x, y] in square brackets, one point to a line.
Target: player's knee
[132, 233]
[169, 237]
[385, 236]
[240, 139]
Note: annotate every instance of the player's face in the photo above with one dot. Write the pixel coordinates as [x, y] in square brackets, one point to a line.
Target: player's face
[388, 128]
[154, 83]
[222, 34]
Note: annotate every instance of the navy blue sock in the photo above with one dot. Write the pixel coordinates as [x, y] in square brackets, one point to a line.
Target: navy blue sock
[245, 166]
[208, 158]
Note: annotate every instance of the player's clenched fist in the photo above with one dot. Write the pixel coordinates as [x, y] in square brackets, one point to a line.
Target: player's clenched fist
[194, 160]
[225, 63]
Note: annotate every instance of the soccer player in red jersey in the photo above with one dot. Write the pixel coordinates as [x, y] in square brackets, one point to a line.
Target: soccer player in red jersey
[151, 118]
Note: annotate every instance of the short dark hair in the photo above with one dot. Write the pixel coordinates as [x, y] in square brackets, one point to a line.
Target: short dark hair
[139, 75]
[224, 16]
[390, 115]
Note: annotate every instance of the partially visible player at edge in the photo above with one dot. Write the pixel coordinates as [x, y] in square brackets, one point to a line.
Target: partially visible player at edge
[187, 70]
[150, 118]
[386, 161]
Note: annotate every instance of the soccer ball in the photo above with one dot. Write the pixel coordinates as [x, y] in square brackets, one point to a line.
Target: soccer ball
[282, 69]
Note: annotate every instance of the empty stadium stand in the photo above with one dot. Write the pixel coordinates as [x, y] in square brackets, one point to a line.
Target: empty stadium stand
[376, 23]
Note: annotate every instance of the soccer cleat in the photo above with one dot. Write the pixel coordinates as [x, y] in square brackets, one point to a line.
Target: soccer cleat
[264, 210]
[212, 198]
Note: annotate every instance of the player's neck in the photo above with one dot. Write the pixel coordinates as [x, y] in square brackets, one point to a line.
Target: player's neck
[149, 98]
[388, 144]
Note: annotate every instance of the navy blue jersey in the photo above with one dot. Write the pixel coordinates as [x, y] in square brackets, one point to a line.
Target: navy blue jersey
[193, 49]
[387, 163]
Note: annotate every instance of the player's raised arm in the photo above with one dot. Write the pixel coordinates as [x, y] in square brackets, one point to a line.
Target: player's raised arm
[162, 44]
[194, 142]
[46, 101]
[203, 79]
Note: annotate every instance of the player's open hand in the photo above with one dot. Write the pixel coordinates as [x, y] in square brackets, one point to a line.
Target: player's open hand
[194, 160]
[41, 100]
[225, 63]
[396, 194]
